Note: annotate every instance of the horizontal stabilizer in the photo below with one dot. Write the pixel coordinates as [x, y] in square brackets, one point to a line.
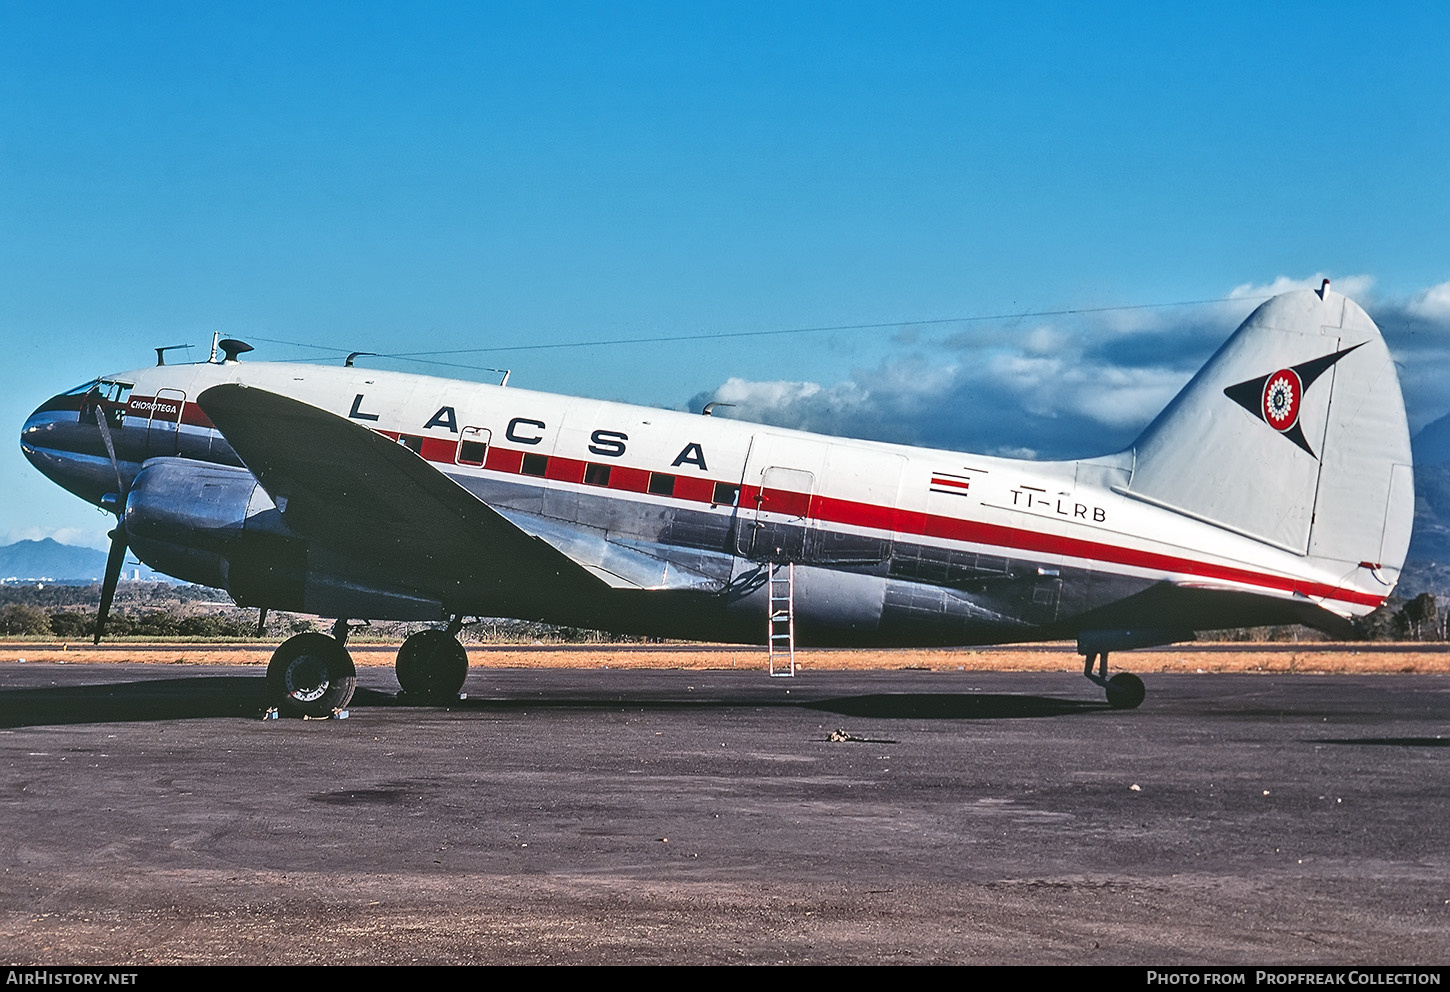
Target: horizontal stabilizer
[1202, 607]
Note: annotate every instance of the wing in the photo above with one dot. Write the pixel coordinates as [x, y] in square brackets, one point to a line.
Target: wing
[361, 494]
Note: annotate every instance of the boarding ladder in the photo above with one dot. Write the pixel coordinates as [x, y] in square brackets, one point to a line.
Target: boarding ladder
[781, 631]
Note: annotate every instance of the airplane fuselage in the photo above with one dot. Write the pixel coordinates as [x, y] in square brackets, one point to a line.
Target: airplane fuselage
[891, 544]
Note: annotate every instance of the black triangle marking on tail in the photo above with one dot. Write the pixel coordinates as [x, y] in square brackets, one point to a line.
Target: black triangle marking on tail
[1290, 384]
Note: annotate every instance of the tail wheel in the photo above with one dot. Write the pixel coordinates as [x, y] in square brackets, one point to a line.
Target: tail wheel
[431, 666]
[1125, 691]
[311, 675]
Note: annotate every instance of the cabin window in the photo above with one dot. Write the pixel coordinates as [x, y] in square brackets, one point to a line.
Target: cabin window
[535, 465]
[661, 484]
[473, 446]
[412, 442]
[596, 474]
[725, 494]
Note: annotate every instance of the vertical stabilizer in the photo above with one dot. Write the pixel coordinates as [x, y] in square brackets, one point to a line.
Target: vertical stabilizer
[1293, 434]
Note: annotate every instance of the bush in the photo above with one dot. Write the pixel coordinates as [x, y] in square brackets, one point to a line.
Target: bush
[72, 623]
[18, 618]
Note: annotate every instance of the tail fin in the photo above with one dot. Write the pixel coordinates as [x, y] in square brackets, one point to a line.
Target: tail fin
[1293, 434]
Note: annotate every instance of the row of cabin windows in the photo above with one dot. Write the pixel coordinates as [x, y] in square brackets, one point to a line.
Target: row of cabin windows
[473, 450]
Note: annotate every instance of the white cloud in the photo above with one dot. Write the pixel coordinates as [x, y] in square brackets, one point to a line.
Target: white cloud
[1079, 385]
[1356, 287]
[1433, 303]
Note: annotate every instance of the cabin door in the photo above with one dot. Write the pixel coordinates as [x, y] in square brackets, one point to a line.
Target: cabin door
[775, 497]
[162, 437]
[817, 501]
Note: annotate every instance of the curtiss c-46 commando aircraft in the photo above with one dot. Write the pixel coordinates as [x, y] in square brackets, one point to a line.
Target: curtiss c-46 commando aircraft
[1276, 488]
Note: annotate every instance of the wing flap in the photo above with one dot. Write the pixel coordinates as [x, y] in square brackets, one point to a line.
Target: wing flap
[619, 566]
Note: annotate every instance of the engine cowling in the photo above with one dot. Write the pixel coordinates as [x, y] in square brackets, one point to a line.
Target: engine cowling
[215, 525]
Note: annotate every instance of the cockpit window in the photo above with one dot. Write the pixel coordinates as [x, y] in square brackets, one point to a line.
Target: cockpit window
[110, 390]
[116, 392]
[109, 394]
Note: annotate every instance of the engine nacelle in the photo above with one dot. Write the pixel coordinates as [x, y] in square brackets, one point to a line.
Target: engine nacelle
[188, 519]
[216, 525]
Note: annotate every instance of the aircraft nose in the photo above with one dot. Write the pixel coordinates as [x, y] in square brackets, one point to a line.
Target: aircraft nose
[60, 445]
[32, 434]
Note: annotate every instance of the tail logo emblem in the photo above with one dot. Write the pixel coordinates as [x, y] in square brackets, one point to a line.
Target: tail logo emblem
[1281, 400]
[1276, 398]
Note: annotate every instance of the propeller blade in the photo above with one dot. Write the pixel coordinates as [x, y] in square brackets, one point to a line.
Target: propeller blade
[105, 427]
[114, 560]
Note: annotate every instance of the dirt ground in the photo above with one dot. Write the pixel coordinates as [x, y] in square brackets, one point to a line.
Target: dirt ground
[1309, 658]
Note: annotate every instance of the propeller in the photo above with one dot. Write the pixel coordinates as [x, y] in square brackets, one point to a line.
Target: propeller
[116, 557]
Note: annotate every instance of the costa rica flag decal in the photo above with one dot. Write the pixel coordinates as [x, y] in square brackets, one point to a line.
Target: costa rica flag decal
[1276, 398]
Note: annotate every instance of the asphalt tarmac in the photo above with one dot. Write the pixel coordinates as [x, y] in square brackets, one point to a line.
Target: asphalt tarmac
[588, 816]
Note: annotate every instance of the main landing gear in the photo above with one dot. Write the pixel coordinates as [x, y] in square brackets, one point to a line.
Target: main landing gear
[432, 665]
[1125, 690]
[312, 675]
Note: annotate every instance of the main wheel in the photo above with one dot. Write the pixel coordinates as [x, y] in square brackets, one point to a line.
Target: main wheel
[1125, 691]
[432, 666]
[311, 675]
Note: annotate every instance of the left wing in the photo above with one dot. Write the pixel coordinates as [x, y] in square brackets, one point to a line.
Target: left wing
[357, 492]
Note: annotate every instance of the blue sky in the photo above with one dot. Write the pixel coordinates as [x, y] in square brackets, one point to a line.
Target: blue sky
[410, 177]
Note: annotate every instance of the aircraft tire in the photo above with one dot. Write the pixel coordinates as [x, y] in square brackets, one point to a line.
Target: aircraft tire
[432, 666]
[1125, 691]
[311, 675]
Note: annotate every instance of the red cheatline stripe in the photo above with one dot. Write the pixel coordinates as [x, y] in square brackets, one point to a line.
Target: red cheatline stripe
[977, 532]
[854, 514]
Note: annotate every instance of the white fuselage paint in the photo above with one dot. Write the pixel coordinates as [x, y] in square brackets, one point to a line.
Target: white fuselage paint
[1057, 514]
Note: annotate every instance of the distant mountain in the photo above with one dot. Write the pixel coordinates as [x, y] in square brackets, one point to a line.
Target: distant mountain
[1428, 568]
[51, 561]
[1432, 445]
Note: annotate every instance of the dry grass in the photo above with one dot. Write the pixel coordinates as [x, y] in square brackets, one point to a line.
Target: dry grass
[1237, 657]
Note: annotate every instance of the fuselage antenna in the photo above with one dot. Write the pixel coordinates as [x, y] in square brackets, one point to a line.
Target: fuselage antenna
[215, 337]
[161, 353]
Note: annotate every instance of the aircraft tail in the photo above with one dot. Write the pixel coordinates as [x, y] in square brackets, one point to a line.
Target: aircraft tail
[1293, 434]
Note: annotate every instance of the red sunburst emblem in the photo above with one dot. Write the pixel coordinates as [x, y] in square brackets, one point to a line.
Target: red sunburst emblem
[1281, 399]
